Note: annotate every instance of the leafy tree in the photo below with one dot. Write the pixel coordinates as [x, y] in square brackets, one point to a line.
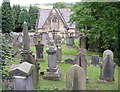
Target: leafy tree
[99, 21]
[16, 12]
[24, 16]
[33, 12]
[7, 17]
[59, 5]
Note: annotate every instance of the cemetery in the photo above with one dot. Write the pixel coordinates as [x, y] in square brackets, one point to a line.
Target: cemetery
[51, 59]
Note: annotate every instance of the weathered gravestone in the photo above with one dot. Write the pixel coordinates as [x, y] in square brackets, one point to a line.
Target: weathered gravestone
[31, 40]
[39, 51]
[94, 60]
[22, 78]
[44, 38]
[107, 67]
[76, 78]
[27, 54]
[19, 38]
[59, 53]
[69, 41]
[82, 42]
[53, 72]
[81, 61]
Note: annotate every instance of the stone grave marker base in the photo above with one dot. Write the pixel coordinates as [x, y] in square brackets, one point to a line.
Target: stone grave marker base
[52, 74]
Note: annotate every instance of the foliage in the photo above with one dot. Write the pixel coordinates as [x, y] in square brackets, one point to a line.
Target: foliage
[16, 11]
[33, 12]
[24, 16]
[7, 17]
[99, 21]
[5, 61]
[59, 5]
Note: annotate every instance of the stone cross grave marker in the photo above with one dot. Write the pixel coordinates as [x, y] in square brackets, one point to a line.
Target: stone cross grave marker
[76, 78]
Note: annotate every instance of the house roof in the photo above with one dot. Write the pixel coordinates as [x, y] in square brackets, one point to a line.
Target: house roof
[63, 13]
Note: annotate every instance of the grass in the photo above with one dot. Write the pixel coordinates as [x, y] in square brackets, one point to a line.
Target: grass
[92, 73]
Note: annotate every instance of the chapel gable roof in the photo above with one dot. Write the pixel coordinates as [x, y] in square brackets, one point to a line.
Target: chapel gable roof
[63, 13]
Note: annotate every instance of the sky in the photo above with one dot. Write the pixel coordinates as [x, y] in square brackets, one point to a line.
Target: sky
[28, 2]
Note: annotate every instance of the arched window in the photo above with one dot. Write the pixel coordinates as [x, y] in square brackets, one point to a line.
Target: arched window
[54, 20]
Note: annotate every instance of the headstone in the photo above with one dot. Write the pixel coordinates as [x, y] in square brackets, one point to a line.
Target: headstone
[22, 77]
[53, 72]
[44, 38]
[76, 78]
[31, 40]
[107, 67]
[82, 62]
[39, 51]
[26, 39]
[82, 42]
[59, 53]
[69, 61]
[94, 60]
[19, 38]
[28, 56]
[69, 41]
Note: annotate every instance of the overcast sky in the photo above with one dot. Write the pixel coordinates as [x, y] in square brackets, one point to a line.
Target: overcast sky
[28, 2]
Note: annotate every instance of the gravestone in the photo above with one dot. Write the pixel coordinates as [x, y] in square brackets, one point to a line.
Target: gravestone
[44, 37]
[76, 78]
[82, 62]
[59, 53]
[27, 54]
[69, 41]
[31, 40]
[22, 78]
[26, 38]
[94, 60]
[19, 38]
[53, 72]
[39, 51]
[107, 67]
[82, 42]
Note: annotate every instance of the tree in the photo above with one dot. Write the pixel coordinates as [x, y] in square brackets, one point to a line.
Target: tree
[102, 20]
[7, 17]
[33, 12]
[59, 5]
[24, 16]
[16, 11]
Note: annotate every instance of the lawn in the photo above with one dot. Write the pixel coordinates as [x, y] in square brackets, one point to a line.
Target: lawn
[92, 72]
